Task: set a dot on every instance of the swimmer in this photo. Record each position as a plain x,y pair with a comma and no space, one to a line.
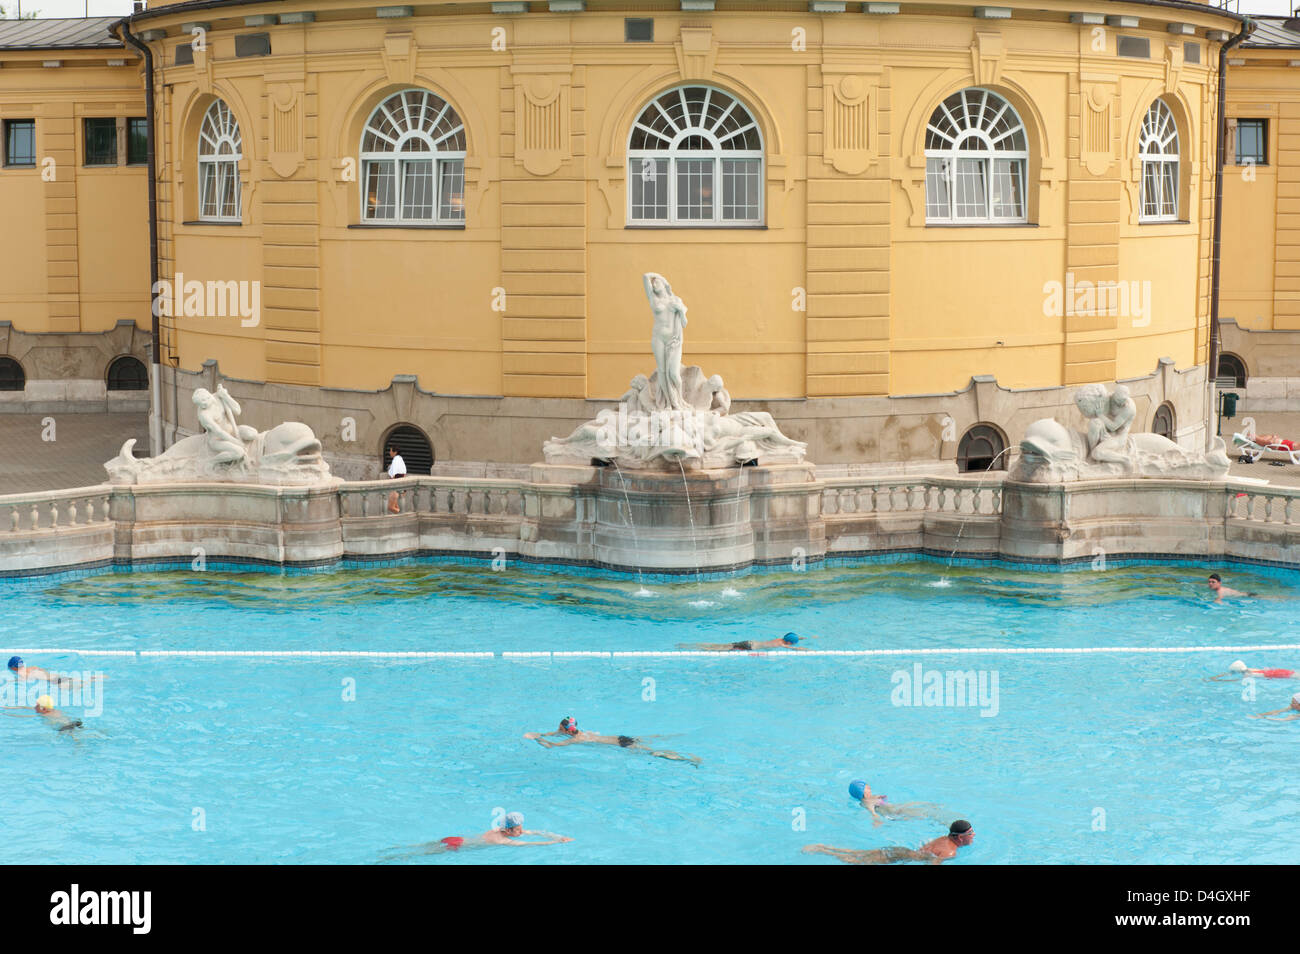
880,810
1215,583
1293,708
45,709
788,641
572,734
1239,670
509,835
960,834
23,673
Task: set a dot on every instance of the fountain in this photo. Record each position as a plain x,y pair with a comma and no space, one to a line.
685,463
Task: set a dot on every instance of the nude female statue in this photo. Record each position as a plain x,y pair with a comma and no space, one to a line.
666,338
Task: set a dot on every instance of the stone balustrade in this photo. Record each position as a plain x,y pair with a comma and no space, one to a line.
640,521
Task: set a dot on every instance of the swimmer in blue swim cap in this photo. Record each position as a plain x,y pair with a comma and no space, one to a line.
572,734
788,641
25,673
861,793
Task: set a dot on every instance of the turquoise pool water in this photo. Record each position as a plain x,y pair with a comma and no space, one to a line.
1119,757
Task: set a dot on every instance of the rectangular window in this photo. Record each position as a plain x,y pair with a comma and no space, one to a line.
1252,142
649,179
101,141
742,190
971,190
1159,191
417,189
694,189
253,44
1191,52
451,190
938,198
1135,46
219,191
381,195
137,141
20,142
1007,197
636,30
184,55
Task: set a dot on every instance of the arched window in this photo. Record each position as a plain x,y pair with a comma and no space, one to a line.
1232,371
12,377
1158,147
980,449
976,156
413,162
1163,422
127,374
684,145
413,445
220,150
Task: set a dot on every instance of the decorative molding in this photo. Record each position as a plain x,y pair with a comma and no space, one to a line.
542,140
849,122
399,53
988,54
697,52
1097,119
284,104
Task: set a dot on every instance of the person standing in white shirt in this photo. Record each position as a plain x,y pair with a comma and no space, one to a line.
396,469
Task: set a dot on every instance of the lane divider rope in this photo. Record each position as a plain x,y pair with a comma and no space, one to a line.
646,653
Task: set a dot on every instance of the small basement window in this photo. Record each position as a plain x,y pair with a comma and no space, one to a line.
1135,46
637,30
253,44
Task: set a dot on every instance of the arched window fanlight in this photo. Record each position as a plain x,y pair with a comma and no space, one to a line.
413,162
127,373
695,157
980,449
1158,147
220,150
414,446
1163,422
976,159
12,376
1232,371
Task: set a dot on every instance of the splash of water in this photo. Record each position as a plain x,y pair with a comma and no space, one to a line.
690,512
975,497
627,514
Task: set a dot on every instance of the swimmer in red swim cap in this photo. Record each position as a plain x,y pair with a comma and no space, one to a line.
573,736
1277,716
1239,670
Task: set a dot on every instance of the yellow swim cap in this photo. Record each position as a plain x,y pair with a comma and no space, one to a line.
45,702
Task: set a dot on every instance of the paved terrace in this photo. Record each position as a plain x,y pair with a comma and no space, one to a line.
84,441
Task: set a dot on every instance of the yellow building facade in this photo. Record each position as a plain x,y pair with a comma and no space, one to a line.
891,222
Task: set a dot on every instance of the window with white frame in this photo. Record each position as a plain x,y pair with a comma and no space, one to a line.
1158,147
413,162
976,160
220,150
695,158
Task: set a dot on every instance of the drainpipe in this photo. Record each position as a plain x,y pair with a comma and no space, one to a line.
155,416
1212,369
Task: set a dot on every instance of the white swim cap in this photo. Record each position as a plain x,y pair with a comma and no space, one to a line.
1238,666
1295,700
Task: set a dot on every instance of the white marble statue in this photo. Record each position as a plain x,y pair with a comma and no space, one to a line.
288,454
1050,453
676,414
666,339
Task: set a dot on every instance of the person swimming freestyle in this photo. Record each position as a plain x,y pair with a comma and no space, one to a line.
788,641
941,849
572,735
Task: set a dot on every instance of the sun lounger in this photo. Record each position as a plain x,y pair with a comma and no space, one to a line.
1249,448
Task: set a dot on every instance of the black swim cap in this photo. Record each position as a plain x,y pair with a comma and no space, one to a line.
959,827
1215,576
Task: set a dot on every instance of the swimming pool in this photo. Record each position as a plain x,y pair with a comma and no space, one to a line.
1109,757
